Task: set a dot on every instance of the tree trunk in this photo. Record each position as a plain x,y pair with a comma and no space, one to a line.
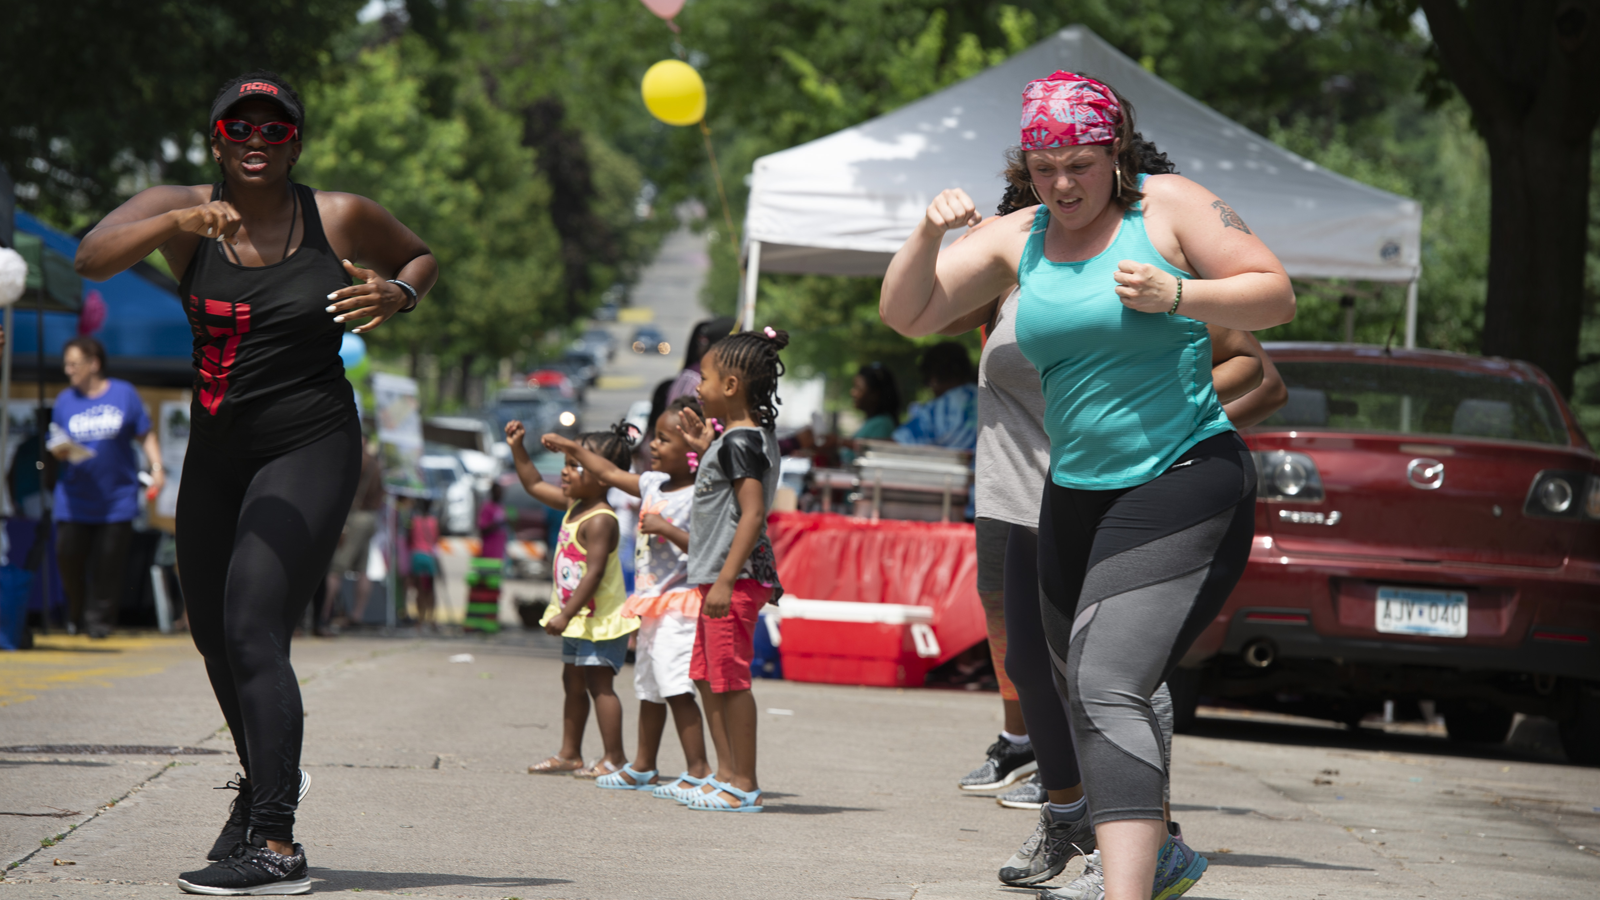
1530,70
1538,232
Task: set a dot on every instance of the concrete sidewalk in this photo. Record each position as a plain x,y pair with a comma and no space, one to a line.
419,788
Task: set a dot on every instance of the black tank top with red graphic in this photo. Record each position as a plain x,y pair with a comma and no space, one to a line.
268,377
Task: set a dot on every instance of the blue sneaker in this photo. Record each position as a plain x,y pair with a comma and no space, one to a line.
1177,869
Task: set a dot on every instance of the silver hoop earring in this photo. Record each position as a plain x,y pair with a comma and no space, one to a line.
1035,188
1118,176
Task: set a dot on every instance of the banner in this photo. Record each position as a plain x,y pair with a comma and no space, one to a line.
399,414
172,428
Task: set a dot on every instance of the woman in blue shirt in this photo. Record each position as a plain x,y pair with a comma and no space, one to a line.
1148,514
97,497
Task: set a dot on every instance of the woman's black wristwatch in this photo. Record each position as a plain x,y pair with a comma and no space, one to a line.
409,290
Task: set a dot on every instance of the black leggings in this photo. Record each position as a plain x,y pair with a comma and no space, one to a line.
1136,575
255,537
1042,695
93,558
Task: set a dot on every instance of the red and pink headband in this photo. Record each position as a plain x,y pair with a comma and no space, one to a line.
1066,110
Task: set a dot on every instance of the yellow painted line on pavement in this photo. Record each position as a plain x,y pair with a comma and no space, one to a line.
636,315
618,382
61,661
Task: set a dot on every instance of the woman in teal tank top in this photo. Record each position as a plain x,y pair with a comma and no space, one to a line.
1148,515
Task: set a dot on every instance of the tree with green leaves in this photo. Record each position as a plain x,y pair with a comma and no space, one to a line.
101,98
1530,71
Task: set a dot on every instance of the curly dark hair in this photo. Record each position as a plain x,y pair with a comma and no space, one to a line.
614,446
688,401
1137,156
753,356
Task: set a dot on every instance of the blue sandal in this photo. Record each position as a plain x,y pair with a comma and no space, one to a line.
620,780
713,801
672,789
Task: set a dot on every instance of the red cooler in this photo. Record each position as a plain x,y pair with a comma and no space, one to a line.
841,642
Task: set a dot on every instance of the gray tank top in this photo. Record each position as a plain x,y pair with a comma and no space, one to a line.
1013,450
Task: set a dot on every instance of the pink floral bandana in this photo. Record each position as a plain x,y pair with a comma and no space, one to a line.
1066,110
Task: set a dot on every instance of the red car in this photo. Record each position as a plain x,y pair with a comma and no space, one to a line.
1427,528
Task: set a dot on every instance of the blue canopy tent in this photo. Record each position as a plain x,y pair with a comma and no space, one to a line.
145,331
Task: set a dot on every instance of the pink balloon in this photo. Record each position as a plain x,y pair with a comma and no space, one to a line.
666,9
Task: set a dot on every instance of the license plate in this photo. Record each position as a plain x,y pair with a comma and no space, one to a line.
1411,611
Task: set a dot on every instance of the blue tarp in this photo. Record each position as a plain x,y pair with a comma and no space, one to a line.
143,320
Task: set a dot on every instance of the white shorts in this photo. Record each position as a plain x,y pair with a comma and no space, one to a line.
661,657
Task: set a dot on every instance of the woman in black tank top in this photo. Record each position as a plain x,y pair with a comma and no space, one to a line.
274,449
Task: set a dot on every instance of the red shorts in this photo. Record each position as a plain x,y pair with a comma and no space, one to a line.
723,647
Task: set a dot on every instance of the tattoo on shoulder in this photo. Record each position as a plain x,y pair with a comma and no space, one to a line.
1230,219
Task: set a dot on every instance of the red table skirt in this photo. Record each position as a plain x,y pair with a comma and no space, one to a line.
932,564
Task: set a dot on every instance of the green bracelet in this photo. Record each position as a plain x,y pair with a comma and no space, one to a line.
1178,299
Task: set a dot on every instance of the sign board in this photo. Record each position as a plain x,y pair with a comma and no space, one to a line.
399,412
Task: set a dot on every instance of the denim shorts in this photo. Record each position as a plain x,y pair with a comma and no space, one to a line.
579,652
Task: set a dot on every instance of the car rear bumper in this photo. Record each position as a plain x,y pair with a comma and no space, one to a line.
1533,621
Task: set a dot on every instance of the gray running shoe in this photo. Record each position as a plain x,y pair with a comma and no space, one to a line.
1089,885
1006,764
1048,850
1028,795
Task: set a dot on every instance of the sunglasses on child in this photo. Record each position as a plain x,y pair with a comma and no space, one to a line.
239,131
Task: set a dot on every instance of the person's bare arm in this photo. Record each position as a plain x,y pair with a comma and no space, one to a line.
363,230
656,523
599,538
1254,407
925,290
171,218
609,474
752,515
1240,282
1235,371
978,318
527,473
152,451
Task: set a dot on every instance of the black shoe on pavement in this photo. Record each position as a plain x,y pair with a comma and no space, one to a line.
239,815
252,871
1028,795
1007,763
1047,851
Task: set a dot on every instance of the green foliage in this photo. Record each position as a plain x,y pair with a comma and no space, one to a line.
460,179
89,90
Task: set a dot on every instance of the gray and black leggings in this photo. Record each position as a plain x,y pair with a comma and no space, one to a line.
1131,577
1027,662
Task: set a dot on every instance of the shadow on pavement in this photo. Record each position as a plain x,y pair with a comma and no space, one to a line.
800,809
1251,861
1528,742
339,880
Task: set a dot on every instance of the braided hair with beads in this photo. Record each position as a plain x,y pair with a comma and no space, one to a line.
753,356
614,446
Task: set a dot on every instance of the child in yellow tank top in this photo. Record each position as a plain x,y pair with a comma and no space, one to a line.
586,600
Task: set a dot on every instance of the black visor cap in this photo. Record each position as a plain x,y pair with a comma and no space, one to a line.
262,88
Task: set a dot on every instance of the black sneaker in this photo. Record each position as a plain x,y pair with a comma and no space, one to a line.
1028,795
1048,850
239,815
1007,763
252,871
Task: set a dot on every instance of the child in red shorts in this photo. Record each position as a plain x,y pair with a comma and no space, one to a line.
730,558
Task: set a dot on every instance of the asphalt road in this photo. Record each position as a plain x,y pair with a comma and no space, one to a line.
419,789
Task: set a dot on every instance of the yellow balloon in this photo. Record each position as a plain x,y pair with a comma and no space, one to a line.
674,93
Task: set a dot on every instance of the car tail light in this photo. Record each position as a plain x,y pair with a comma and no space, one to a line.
1287,477
1563,495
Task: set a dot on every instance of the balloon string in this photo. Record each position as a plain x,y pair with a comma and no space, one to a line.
727,216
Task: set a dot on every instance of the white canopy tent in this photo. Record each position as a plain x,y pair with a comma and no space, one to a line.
843,204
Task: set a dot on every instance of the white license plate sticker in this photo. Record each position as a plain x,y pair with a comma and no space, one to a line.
1412,611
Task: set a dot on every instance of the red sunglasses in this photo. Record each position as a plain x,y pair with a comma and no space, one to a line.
239,131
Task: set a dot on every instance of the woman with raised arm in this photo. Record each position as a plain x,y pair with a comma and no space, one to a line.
1147,517
275,447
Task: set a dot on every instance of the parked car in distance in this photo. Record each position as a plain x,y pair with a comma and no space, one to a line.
650,339
596,341
539,410
455,501
555,380
1427,528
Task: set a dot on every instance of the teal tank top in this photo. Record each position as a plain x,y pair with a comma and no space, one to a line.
1126,393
